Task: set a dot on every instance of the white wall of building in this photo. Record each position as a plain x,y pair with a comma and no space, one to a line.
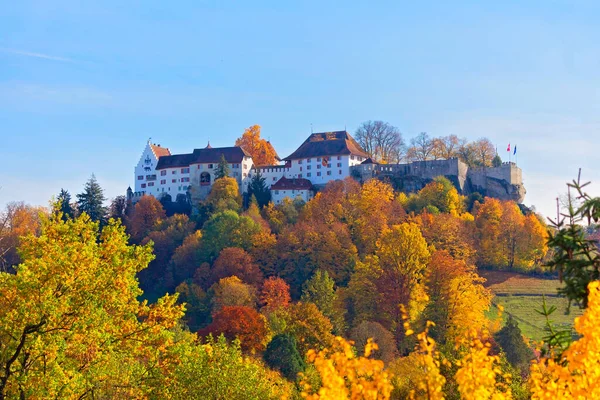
277,196
337,168
145,170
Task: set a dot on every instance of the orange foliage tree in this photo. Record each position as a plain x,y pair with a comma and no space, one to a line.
146,213
261,150
275,294
235,261
241,322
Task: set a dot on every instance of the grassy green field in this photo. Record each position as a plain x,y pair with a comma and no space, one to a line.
521,296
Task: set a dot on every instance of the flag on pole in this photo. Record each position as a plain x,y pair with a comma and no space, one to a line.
515,152
508,148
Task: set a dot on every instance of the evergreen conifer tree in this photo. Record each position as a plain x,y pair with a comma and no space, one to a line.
511,340
258,189
118,207
91,201
283,355
496,161
222,168
63,204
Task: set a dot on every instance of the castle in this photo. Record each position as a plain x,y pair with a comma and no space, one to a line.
321,158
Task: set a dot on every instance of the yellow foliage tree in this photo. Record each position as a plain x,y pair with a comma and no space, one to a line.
577,374
345,376
477,376
261,150
71,325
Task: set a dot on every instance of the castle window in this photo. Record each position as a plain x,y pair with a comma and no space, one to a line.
318,174
308,160
318,159
277,192
173,180
150,177
328,165
300,168
140,177
299,175
318,166
328,172
185,179
340,171
150,184
210,166
274,179
352,157
185,170
163,181
339,164
308,175
174,172
299,162
308,167
163,172
204,179
339,157
143,185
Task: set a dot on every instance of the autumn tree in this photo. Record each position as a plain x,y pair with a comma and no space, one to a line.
488,220
217,369
382,141
91,200
261,150
347,376
16,221
166,235
439,194
386,344
446,147
224,195
306,323
231,291
239,322
147,212
485,152
74,292
510,339
233,261
450,233
185,259
303,248
400,263
275,294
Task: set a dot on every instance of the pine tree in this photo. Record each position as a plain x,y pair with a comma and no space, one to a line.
258,189
118,207
511,340
283,355
222,168
496,161
63,204
91,200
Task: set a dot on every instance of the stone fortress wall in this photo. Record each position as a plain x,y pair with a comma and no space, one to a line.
504,182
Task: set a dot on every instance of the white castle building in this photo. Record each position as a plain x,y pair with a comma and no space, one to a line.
322,157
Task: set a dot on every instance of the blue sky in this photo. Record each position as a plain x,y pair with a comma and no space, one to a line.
84,84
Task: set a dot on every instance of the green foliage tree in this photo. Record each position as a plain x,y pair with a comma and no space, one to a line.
511,341
219,370
222,168
282,355
63,204
258,188
320,290
496,161
227,229
91,200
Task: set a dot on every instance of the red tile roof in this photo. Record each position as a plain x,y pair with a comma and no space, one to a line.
292,184
160,151
328,144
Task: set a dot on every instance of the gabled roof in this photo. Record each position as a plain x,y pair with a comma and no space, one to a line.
208,155
292,184
369,161
328,144
159,151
